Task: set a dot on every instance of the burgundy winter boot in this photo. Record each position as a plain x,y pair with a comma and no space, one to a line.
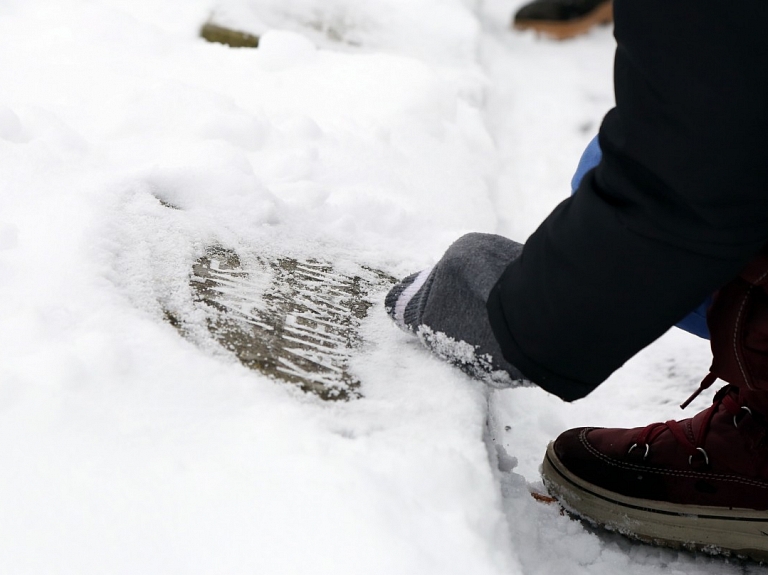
700,483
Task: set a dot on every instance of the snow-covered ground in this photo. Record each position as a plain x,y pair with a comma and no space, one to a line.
364,131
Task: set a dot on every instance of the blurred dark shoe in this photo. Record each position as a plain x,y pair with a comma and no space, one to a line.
561,19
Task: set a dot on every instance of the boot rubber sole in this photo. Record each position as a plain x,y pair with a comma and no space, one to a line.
560,30
714,530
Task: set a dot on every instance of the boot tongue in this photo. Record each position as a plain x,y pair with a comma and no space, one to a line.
738,413
693,433
738,327
726,321
698,426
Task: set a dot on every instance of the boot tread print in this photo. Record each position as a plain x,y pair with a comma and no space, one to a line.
295,320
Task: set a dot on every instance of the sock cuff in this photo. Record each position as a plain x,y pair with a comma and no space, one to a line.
413,310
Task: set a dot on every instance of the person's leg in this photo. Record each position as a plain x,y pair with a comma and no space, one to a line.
685,196
696,321
445,306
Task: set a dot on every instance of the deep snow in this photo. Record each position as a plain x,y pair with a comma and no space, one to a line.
359,131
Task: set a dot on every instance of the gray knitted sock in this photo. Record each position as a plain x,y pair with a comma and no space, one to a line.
446,306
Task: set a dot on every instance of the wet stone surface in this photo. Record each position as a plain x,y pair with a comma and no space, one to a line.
296,321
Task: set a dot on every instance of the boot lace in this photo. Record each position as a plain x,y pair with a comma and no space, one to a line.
693,445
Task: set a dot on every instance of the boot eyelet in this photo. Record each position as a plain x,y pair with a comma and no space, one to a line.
647,450
704,453
745,408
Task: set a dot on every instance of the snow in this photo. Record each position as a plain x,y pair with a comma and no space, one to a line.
359,131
